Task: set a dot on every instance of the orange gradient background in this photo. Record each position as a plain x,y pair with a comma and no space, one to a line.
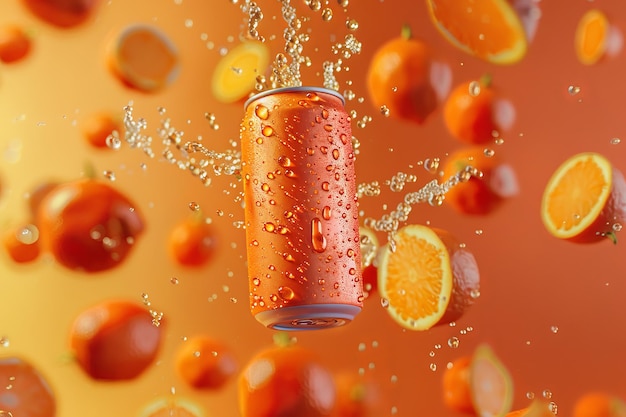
532,283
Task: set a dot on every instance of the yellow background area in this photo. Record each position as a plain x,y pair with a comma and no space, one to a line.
551,310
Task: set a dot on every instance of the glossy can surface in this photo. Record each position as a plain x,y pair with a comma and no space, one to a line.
301,210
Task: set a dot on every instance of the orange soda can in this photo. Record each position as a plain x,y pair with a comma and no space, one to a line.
301,210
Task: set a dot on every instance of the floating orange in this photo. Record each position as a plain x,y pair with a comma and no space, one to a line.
474,113
491,29
15,43
596,37
115,340
427,279
25,391
98,126
205,363
456,390
235,75
400,79
585,199
599,404
286,381
143,57
490,383
172,407
483,192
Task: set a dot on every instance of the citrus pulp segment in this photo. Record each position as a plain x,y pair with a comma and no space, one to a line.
490,29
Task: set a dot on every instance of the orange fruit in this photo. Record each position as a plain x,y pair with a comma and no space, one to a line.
285,381
490,383
25,392
88,225
115,340
15,43
492,183
357,396
456,390
35,196
369,249
22,243
62,13
479,384
193,241
428,279
599,404
462,22
474,114
399,77
595,37
172,407
203,362
143,57
235,75
97,127
538,408
584,200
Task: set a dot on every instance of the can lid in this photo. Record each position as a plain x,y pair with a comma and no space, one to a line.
294,89
308,316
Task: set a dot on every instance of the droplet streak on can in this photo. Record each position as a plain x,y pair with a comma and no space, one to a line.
313,189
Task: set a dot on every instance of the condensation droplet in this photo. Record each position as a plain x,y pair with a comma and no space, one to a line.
384,302
474,88
547,394
433,366
4,342
318,240
174,280
28,234
453,342
554,329
615,141
193,206
573,90
286,293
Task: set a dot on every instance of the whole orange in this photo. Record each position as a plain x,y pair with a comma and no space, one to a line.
285,381
399,78
456,391
88,225
205,363
474,114
115,340
482,193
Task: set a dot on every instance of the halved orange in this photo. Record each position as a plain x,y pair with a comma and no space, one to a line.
143,57
172,407
538,408
595,37
491,385
490,29
235,74
585,199
428,279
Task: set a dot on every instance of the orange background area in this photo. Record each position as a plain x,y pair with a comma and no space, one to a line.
532,283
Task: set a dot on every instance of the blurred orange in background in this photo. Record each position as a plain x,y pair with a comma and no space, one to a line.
550,308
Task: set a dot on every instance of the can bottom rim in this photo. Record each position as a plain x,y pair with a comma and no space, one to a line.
309,317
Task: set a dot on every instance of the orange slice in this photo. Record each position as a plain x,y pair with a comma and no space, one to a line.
144,58
172,407
235,74
491,385
427,279
584,200
538,408
591,36
489,29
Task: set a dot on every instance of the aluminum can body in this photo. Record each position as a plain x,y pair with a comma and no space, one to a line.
301,209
